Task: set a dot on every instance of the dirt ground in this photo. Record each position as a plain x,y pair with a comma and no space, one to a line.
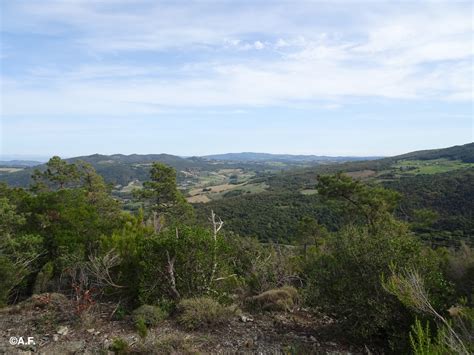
56,330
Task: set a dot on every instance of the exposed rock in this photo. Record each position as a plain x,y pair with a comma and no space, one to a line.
63,330
245,319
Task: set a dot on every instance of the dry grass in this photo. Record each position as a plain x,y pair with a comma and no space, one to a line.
309,192
203,312
151,315
279,299
215,188
198,199
10,170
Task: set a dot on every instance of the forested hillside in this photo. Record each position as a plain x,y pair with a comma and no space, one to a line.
464,153
353,277
438,187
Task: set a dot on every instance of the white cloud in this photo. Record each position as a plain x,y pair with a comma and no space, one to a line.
258,45
422,52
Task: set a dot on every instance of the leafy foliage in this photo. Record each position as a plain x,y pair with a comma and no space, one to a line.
454,336
151,315
449,196
19,251
362,204
162,197
189,251
344,278
270,216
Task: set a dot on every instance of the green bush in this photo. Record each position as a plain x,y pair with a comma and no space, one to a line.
191,252
454,335
19,250
44,278
345,279
120,313
203,312
460,270
421,340
8,279
141,327
260,267
18,260
119,346
149,315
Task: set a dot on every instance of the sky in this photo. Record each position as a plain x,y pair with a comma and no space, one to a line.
80,77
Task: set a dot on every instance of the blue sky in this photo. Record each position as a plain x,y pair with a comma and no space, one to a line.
192,78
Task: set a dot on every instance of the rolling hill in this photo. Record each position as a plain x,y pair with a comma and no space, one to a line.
117,169
19,163
120,169
287,158
440,180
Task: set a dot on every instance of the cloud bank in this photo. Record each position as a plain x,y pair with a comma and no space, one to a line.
129,57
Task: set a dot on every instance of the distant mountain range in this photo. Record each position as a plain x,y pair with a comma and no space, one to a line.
122,169
19,163
259,157
175,160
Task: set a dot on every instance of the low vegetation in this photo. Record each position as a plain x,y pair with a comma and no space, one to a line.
280,299
67,243
203,312
149,315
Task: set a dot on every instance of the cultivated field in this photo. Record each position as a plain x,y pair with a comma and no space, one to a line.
10,170
429,166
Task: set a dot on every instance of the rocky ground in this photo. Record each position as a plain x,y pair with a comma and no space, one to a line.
56,330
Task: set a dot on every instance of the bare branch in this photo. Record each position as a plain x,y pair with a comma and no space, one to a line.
409,288
171,275
216,226
100,268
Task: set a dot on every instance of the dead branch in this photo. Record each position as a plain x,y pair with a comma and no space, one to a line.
100,268
157,222
171,275
410,286
216,227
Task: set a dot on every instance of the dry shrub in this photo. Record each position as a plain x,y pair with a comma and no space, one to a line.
151,315
278,299
203,312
